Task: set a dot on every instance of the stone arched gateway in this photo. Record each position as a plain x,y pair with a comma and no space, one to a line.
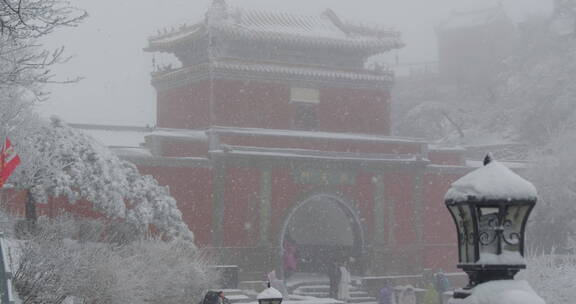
323,228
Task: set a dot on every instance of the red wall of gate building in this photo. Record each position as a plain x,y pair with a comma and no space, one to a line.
401,195
184,107
240,213
253,104
354,110
192,187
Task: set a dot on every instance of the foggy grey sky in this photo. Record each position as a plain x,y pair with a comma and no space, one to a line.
108,46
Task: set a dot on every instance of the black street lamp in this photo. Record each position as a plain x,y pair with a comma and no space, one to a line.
270,295
490,207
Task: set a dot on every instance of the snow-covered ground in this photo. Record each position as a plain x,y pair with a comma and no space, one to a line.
502,292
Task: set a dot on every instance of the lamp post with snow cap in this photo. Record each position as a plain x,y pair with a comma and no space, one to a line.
490,207
270,295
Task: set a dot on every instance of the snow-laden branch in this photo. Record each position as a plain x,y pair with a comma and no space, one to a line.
65,162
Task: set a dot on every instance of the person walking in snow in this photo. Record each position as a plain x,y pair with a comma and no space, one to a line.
408,295
333,272
441,284
215,297
386,295
290,258
431,296
344,285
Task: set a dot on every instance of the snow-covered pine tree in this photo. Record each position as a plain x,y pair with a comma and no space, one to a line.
60,161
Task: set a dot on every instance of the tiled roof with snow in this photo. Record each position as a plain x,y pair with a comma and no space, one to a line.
317,155
284,70
130,140
325,28
316,135
111,137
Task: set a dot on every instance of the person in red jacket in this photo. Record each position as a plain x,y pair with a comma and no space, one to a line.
290,258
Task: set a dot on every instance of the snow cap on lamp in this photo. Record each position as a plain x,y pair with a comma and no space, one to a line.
493,181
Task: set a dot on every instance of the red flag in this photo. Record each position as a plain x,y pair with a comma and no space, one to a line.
9,160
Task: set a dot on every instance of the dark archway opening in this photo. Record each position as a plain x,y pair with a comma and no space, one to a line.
321,230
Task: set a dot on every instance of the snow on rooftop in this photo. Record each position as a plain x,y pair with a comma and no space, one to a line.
134,137
317,135
187,134
335,156
326,27
508,164
301,70
433,147
297,71
132,151
493,181
182,33
281,22
117,138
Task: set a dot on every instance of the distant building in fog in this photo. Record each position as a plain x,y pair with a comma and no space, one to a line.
564,17
472,44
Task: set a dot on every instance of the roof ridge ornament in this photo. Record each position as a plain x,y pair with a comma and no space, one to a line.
488,159
218,12
221,4
335,19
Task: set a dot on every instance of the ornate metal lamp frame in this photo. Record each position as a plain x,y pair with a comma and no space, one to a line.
478,233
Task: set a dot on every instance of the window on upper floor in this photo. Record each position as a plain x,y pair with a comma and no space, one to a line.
306,102
305,95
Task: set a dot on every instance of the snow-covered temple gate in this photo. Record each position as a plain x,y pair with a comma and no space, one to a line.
273,121
270,111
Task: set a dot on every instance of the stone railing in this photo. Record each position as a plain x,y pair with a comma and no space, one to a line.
6,287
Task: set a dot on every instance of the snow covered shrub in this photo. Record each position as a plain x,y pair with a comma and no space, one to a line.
157,272
54,265
64,162
51,267
552,277
553,224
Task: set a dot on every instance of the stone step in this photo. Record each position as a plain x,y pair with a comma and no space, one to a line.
317,294
295,297
313,288
358,293
232,291
354,293
239,298
252,285
324,288
353,299
361,299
